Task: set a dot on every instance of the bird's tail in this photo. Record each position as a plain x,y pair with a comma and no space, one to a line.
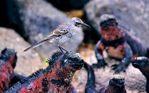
90,85
36,45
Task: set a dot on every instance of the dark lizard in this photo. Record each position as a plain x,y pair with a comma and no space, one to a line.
116,83
56,78
118,43
142,63
8,61
90,85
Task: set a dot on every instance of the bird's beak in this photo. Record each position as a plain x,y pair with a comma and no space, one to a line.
83,24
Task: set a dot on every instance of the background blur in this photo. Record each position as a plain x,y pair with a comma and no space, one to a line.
25,22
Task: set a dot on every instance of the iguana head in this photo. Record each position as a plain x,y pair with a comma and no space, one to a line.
117,81
67,60
9,55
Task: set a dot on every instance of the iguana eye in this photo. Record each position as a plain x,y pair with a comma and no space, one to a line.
65,60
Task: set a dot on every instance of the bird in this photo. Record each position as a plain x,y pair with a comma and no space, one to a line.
62,33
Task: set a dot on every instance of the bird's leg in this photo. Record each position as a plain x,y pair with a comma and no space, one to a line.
62,49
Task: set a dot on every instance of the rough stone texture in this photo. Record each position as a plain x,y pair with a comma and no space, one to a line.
132,14
69,4
28,62
39,19
135,81
9,16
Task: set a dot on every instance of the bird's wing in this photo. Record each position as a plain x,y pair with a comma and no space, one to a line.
62,29
59,31
36,45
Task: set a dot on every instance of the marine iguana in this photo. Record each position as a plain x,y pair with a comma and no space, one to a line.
118,43
142,63
8,61
56,78
116,83
90,85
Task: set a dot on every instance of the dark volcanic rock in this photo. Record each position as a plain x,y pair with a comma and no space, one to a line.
40,18
10,17
68,4
132,14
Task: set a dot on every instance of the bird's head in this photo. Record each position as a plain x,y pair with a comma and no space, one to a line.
9,55
78,22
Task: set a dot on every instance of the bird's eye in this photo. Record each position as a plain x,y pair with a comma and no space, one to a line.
65,31
75,24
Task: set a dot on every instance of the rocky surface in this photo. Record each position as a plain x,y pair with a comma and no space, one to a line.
130,14
28,62
10,17
135,81
40,18
69,4
133,17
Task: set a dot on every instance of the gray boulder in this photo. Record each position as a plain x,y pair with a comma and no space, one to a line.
132,14
39,19
28,62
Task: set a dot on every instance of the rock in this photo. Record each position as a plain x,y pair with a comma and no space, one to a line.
10,17
132,14
40,18
133,78
28,62
135,81
133,17
68,4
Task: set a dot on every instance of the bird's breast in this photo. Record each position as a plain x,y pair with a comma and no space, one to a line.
63,39
69,35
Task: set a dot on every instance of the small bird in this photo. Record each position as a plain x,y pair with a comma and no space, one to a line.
62,33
